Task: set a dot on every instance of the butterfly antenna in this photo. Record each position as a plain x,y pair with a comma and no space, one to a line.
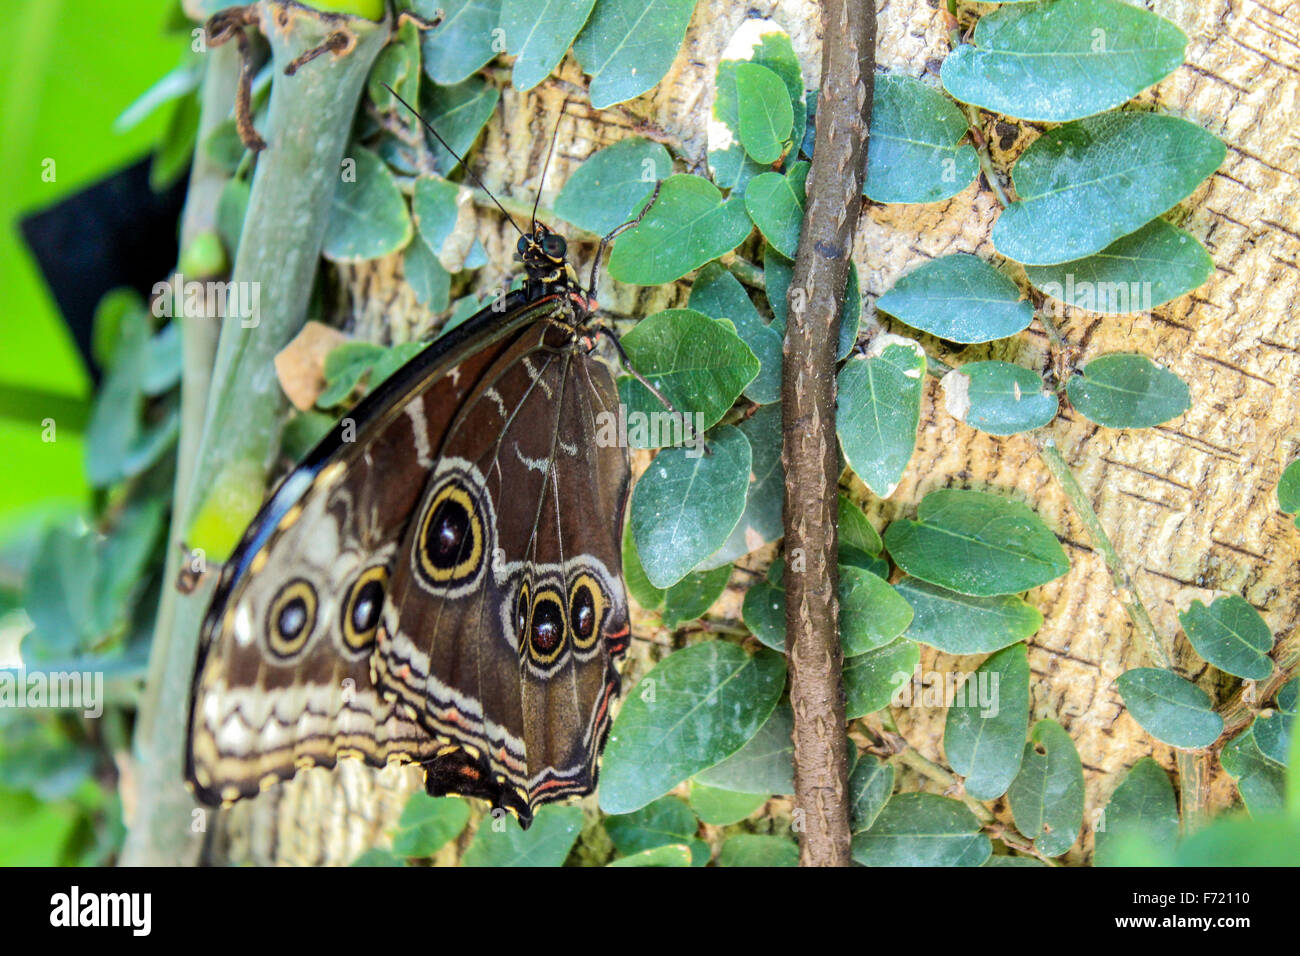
472,175
547,165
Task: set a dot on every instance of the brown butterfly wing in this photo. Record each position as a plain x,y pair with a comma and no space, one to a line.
284,675
507,612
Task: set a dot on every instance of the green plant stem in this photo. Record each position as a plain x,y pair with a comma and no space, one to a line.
308,123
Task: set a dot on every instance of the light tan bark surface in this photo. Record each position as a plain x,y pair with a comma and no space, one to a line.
1190,505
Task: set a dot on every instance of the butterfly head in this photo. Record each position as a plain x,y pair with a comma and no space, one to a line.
543,254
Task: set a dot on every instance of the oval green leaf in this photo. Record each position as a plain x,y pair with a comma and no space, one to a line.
1142,808
976,543
984,737
775,203
667,820
428,823
752,849
719,295
699,365
688,225
998,397
1047,795
1127,391
870,786
1288,490
1169,708
766,117
686,505
462,42
459,114
611,185
697,707
760,522
628,45
872,679
499,841
1053,62
961,624
539,33
765,765
960,298
368,218
915,152
1231,635
1085,184
880,410
921,829
694,594
722,808
1135,273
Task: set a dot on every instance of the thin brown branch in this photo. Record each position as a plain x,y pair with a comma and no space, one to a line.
809,450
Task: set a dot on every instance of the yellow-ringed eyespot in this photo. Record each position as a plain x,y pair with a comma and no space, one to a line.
450,544
547,629
291,617
361,610
587,607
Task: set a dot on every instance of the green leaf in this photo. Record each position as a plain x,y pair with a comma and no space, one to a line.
369,218
1260,780
430,282
921,829
1169,708
539,34
1273,735
915,152
855,529
872,614
761,42
880,410
685,506
778,271
699,365
1127,391
870,786
766,117
722,808
638,585
1235,841
750,849
459,114
760,522
961,624
428,823
345,366
960,298
872,679
1135,273
435,208
462,43
998,397
984,735
500,841
697,707
1141,808
628,45
1052,62
670,854
376,857
398,66
1047,795
719,295
689,224
765,765
665,821
1231,635
1288,490
976,543
611,185
694,594
1085,184
775,203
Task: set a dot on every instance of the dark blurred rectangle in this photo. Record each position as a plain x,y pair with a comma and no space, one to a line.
118,232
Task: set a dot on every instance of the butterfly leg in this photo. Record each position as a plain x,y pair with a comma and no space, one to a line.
614,234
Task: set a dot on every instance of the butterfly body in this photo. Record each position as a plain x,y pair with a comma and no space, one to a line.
445,588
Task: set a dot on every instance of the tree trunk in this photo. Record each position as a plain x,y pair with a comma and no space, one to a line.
1190,505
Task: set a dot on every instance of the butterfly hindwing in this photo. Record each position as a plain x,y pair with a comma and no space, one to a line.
509,590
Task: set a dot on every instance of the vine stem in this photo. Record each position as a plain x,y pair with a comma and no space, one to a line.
809,450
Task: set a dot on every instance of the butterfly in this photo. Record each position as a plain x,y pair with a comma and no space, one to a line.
439,581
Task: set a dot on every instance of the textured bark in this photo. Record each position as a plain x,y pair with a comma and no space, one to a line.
810,450
1190,505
